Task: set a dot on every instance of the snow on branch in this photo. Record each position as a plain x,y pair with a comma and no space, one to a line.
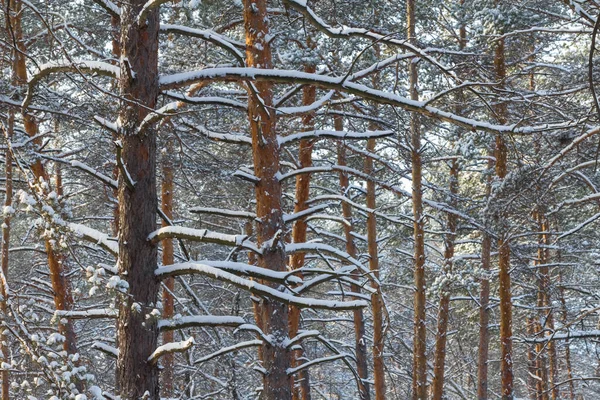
308,108
225,350
221,41
86,168
109,6
292,371
80,66
236,268
223,101
111,126
107,349
157,115
363,91
87,314
343,135
223,213
287,218
200,320
223,137
264,290
327,249
201,235
565,336
92,235
169,348
147,8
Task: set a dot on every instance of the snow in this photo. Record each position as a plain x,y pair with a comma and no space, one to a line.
94,236
201,235
200,320
174,347
342,135
260,289
222,212
87,314
229,349
236,268
109,181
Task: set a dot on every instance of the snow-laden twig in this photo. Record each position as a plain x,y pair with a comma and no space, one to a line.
92,235
200,320
82,66
225,350
107,349
236,268
201,235
264,290
87,314
342,135
221,41
169,348
291,371
109,6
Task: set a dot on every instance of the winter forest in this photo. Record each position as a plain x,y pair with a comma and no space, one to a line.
300,199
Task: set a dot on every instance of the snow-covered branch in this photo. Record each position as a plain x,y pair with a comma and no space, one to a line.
147,8
223,213
169,348
80,66
236,268
87,314
201,235
264,290
230,349
200,320
107,349
94,236
342,135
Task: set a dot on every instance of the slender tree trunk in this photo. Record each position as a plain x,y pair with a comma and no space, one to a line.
501,152
564,319
532,381
137,336
444,307
8,171
419,382
484,317
270,232
360,345
61,286
301,385
167,373
376,299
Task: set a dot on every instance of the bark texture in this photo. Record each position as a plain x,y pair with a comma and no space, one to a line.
419,381
270,230
137,336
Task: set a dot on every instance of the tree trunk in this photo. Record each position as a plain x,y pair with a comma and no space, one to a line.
444,307
419,381
360,346
301,385
376,299
501,152
137,336
270,231
61,286
167,374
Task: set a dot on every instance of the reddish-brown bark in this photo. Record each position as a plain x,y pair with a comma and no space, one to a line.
301,384
61,286
167,375
419,381
270,230
501,153
360,346
137,336
376,299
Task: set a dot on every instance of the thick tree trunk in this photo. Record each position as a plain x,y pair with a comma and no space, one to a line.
301,384
167,374
137,336
419,382
501,152
270,232
360,346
